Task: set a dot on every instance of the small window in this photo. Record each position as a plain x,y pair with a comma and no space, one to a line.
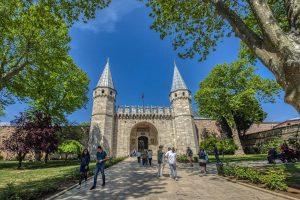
111,92
183,93
102,91
175,94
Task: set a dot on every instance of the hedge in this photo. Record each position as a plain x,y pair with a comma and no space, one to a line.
274,178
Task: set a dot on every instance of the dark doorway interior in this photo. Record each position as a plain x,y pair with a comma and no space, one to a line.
142,143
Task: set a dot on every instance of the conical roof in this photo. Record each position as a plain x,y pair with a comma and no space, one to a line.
178,83
106,79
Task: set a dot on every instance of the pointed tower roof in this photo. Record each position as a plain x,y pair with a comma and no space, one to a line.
106,79
178,83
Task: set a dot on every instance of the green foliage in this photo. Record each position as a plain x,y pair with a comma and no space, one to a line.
184,159
294,141
273,178
71,147
34,53
273,143
225,146
234,88
196,27
233,92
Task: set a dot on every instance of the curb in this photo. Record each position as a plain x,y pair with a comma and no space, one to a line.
258,188
65,190
71,187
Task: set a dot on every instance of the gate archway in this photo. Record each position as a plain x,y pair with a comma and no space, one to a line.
144,136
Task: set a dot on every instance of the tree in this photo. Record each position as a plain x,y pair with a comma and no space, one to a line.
234,90
42,132
242,122
269,30
34,35
70,147
57,92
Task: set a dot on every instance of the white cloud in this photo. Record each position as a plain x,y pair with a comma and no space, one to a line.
107,18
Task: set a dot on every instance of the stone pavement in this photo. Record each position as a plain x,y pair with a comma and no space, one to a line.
128,180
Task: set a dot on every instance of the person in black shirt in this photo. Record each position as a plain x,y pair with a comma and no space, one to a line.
84,166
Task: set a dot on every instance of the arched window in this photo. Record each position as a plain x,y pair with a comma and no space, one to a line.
175,94
102,91
183,93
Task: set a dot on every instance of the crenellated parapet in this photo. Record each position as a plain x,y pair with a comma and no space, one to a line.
133,112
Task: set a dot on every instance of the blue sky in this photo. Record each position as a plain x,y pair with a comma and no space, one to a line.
141,62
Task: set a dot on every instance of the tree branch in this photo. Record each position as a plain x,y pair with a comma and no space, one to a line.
14,71
265,53
269,25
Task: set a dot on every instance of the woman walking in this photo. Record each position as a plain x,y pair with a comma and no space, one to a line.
202,160
84,166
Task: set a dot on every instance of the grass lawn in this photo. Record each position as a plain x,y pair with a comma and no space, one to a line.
234,158
38,179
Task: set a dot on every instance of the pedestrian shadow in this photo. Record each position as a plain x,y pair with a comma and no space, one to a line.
126,179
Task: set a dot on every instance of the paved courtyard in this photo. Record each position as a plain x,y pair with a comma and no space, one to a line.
127,180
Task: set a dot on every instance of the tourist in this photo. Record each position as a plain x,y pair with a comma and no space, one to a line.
160,161
172,163
189,154
133,153
202,160
166,159
150,157
216,152
144,158
84,166
138,155
101,157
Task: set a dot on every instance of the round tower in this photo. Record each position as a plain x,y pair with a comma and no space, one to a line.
103,113
183,120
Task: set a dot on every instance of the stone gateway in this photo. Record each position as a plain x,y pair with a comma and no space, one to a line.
124,128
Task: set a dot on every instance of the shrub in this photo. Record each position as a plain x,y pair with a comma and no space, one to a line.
273,178
225,146
182,159
70,147
273,143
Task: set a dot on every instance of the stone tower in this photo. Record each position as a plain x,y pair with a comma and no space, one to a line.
183,122
103,113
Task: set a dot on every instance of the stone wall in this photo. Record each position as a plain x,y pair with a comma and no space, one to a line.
250,141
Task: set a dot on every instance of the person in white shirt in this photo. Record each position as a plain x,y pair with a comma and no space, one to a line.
165,161
171,155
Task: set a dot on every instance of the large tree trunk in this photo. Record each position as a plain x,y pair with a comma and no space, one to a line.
277,50
237,141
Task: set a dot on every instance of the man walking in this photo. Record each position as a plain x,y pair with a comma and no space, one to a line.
101,157
160,160
189,154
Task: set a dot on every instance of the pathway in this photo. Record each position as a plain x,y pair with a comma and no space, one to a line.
127,180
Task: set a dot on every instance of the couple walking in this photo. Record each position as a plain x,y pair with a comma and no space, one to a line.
170,156
101,157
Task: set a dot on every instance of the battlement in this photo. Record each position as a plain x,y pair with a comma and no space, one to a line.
137,111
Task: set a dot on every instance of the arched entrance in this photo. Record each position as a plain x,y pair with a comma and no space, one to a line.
143,136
